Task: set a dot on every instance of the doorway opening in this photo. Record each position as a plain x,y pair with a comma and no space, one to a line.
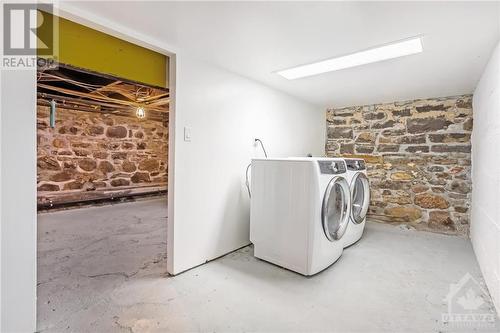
102,146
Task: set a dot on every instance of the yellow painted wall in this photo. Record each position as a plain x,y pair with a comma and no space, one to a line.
83,47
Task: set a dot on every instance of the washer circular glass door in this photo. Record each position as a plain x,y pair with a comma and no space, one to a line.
360,191
335,210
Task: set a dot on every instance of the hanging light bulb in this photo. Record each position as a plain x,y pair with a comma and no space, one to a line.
140,112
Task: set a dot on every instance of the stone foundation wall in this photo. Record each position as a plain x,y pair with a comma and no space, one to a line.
418,157
88,154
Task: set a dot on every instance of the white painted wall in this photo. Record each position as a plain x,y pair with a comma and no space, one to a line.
226,112
208,204
18,201
485,221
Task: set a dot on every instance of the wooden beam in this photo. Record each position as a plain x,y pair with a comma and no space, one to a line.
154,116
95,97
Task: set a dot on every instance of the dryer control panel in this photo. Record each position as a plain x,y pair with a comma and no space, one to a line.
332,167
355,164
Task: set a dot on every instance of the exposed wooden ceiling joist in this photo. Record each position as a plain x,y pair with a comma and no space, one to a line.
88,91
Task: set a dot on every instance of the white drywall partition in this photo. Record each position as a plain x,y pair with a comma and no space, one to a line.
209,208
18,201
224,112
485,220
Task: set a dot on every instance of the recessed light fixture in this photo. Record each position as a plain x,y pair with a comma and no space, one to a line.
390,51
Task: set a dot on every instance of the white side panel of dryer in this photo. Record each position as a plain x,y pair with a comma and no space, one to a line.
280,211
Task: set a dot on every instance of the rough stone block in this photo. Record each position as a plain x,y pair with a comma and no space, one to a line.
449,137
121,155
393,132
87,164
128,166
48,163
451,148
412,139
141,177
467,126
119,182
441,219
460,187
417,149
61,176
428,108
340,132
366,137
100,154
106,167
116,132
435,168
347,148
74,185
385,124
48,187
364,149
59,143
388,148
407,214
402,113
400,175
428,200
149,165
423,125
420,188
81,152
374,115
95,130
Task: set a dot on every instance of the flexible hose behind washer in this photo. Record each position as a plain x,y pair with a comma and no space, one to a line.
247,183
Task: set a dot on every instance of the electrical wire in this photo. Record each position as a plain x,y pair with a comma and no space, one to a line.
247,183
262,145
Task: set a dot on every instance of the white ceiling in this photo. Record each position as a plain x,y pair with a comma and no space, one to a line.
255,39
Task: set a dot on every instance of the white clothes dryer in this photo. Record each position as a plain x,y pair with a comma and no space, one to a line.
300,210
360,199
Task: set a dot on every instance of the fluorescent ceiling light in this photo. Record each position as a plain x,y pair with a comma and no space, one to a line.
390,51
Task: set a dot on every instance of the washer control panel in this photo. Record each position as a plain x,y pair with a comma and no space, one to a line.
332,167
355,164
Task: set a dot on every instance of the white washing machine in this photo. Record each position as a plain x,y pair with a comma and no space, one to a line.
299,212
360,199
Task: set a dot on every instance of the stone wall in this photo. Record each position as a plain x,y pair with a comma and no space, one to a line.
90,155
418,157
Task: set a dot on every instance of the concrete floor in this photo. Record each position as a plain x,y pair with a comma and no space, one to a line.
103,269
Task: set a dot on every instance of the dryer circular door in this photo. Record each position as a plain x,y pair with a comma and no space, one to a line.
335,209
360,191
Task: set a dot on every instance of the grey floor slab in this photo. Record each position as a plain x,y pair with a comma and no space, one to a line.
102,269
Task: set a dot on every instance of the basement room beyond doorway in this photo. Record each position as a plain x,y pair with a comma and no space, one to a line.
102,171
